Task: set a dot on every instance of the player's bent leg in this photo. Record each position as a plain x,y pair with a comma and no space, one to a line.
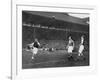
80,52
33,56
34,51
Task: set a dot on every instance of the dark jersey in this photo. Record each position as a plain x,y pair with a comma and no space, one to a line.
71,44
36,45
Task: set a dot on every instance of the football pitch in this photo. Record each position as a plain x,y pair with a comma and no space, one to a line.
57,58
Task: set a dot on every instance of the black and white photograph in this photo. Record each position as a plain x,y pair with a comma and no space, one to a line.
55,39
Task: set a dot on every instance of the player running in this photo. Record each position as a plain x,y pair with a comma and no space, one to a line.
35,47
81,47
70,45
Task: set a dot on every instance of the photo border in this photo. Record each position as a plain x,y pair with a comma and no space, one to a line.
14,72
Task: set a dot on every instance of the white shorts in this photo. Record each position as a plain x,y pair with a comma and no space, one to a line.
81,48
70,49
34,50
